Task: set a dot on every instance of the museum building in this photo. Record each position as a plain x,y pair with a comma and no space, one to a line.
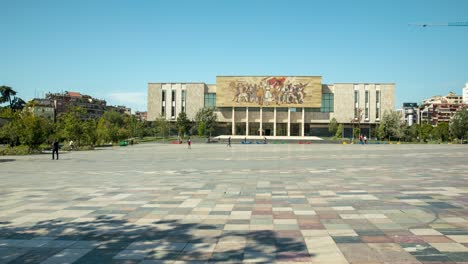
275,105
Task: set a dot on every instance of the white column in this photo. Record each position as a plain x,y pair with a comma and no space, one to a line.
274,122
303,121
289,121
233,128
261,121
246,121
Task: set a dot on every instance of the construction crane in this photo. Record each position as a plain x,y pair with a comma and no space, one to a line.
450,24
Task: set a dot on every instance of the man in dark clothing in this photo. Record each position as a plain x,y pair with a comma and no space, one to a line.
55,148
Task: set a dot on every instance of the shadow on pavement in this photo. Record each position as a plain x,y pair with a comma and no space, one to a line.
111,240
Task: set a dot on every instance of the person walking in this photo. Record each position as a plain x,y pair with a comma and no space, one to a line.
365,139
189,143
229,142
55,149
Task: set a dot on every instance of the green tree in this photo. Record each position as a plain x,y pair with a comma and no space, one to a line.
34,130
339,131
201,128
183,124
208,117
459,125
442,132
162,127
426,132
391,125
10,132
17,104
134,126
111,127
333,126
70,124
89,133
414,132
6,93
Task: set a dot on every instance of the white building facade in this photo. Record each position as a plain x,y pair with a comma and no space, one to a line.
351,104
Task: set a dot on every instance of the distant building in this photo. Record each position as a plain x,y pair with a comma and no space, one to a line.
275,105
42,107
120,109
410,113
142,116
63,101
440,108
465,94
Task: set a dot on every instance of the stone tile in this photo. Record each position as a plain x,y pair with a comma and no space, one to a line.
449,247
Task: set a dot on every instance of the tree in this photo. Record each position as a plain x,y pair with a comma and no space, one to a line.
357,120
442,131
459,125
333,126
17,104
426,132
339,131
70,124
34,130
6,94
201,128
208,118
391,125
183,124
134,126
414,132
10,132
89,133
162,126
111,127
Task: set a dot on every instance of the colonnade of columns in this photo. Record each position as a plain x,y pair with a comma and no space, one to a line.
233,127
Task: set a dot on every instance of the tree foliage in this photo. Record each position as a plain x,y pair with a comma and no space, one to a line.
391,125
70,125
208,118
459,125
333,126
162,127
442,132
34,130
111,127
183,124
339,131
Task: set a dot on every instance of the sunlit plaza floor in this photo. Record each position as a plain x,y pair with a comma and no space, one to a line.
317,203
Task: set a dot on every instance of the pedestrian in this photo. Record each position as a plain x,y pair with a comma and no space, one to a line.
365,140
360,138
189,143
264,140
55,148
229,142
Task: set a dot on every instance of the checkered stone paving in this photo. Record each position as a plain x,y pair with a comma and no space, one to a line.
156,203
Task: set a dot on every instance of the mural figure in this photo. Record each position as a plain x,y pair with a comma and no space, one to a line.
268,91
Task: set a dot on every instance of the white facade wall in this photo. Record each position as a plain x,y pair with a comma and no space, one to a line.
465,94
343,104
194,99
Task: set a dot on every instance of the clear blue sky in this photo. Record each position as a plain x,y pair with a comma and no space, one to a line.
112,49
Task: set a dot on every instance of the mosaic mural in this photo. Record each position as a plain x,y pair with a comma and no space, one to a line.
268,91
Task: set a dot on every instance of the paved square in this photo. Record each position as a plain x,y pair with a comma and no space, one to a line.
155,203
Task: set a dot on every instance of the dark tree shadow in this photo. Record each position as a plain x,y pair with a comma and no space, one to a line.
111,240
6,160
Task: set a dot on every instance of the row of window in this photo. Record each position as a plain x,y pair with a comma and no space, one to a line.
173,102
358,110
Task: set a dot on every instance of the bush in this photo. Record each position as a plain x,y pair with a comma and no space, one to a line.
18,150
